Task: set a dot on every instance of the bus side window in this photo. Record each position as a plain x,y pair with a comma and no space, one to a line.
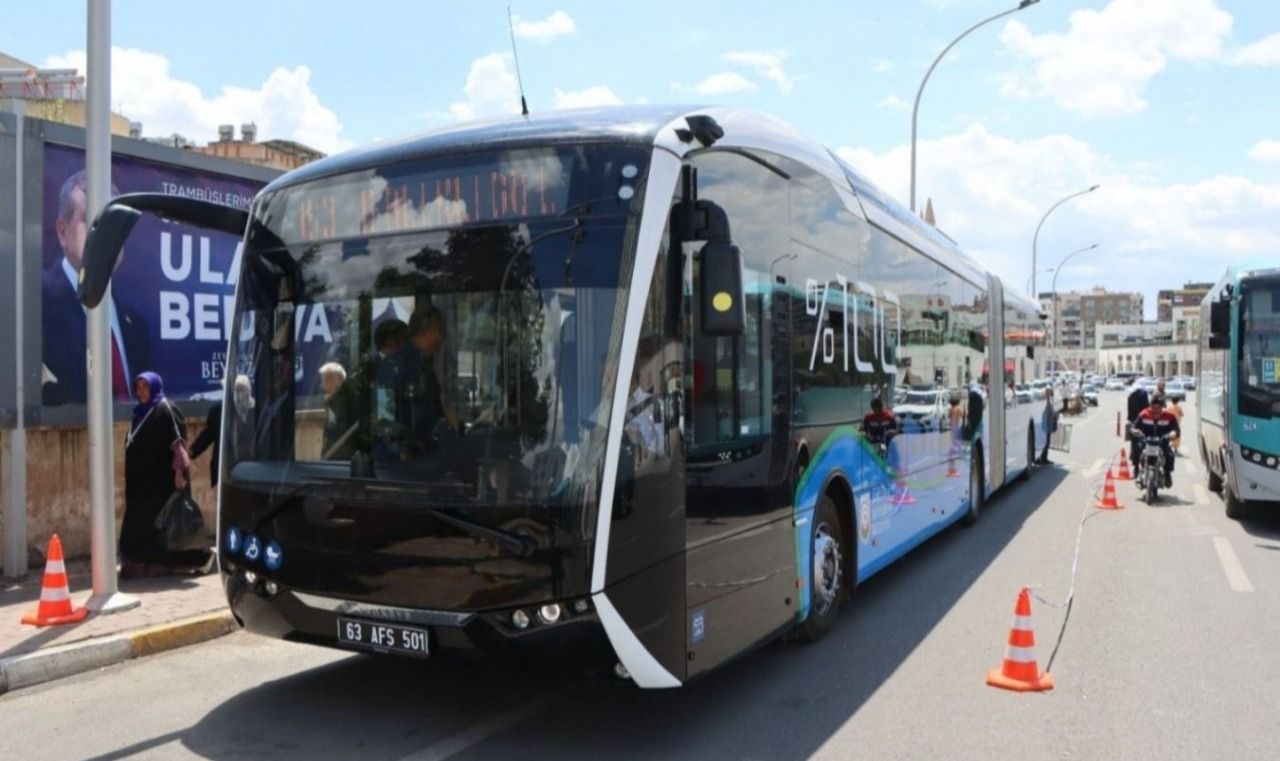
732,376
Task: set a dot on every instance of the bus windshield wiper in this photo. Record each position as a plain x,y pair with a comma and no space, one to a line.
520,545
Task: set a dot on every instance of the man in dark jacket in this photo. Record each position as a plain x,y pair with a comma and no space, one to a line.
1138,401
208,439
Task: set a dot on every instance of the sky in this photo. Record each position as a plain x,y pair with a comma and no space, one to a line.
1170,106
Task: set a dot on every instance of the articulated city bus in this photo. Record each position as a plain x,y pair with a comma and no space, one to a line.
1238,392
605,374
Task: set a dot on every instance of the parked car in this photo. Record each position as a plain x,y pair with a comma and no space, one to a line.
1175,391
1188,382
923,410
1115,384
1090,394
1024,393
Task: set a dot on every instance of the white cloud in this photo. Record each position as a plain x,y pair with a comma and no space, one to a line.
592,96
1101,66
881,65
894,102
558,24
724,83
1264,52
989,192
491,89
767,64
1266,150
284,106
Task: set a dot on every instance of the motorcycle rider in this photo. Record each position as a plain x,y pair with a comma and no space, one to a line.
1157,422
879,425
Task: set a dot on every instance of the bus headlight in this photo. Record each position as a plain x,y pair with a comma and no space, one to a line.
549,614
520,620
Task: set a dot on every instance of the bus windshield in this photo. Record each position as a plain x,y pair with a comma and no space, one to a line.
1259,348
452,327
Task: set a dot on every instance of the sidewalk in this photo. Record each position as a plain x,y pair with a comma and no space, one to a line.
175,611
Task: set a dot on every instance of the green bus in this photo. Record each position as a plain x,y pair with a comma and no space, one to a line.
1238,393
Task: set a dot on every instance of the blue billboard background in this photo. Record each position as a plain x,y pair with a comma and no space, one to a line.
172,292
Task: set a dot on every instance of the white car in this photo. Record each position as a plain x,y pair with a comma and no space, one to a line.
1115,384
923,411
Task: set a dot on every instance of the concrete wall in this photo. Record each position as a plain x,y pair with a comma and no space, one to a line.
58,486
58,481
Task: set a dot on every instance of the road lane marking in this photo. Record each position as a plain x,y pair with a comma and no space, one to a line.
1095,468
1202,495
1191,466
1236,576
468,738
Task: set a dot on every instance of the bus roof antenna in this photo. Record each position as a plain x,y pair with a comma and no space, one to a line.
511,27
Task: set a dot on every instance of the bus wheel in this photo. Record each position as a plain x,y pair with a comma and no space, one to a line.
1237,509
826,571
1215,480
975,488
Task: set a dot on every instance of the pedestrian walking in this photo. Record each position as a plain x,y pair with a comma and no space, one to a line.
156,465
1175,408
1048,424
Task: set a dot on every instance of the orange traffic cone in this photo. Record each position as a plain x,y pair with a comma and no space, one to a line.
1124,474
1020,671
1109,500
55,596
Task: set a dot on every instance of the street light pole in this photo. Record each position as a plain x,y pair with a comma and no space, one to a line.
916,108
106,597
1030,292
1036,238
1057,339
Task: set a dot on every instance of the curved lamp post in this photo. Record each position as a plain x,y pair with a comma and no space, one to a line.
1036,238
1057,339
919,92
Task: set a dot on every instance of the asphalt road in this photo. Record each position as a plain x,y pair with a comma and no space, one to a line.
1167,655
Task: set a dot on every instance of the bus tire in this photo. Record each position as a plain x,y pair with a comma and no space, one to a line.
976,483
1237,509
827,575
1215,480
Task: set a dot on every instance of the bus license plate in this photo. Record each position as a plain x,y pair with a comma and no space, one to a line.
384,638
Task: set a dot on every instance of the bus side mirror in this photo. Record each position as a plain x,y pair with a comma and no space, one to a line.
720,275
1220,325
102,250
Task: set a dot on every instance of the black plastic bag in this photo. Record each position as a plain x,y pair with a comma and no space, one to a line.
180,526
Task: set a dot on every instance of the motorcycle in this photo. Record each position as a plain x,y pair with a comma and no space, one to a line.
1151,467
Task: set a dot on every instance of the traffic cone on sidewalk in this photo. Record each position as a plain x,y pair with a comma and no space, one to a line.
55,595
1020,672
1124,474
1109,500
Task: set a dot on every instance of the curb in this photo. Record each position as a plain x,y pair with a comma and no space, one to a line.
68,660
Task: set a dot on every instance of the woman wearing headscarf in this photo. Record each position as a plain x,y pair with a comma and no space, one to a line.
155,465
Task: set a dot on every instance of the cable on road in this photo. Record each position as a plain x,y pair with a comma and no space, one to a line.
1096,486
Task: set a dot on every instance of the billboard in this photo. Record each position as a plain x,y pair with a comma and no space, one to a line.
172,292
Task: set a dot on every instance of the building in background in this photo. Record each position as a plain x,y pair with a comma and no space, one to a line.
1074,318
275,154
55,95
1181,307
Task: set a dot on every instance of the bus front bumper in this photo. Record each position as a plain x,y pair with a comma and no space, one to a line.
577,639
